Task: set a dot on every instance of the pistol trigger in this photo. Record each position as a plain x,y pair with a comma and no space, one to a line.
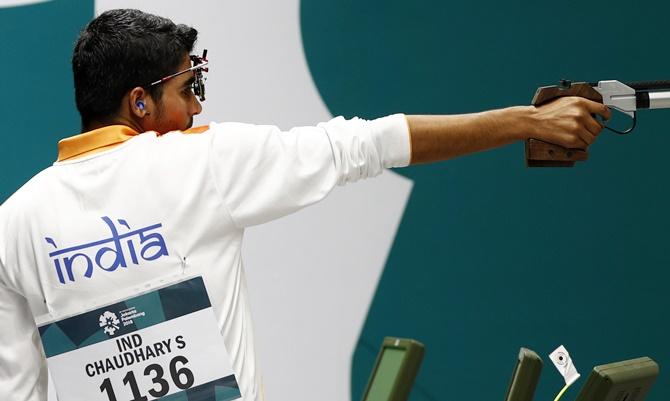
600,119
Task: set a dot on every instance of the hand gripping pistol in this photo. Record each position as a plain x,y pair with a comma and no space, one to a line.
625,98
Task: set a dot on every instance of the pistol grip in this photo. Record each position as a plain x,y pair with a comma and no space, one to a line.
543,154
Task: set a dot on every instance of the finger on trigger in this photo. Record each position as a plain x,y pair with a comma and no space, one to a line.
599,108
608,111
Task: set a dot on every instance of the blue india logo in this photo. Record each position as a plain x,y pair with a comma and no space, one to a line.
108,254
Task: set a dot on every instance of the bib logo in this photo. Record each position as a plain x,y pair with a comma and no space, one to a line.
124,248
109,322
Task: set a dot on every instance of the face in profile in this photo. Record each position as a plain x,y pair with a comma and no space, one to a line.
178,104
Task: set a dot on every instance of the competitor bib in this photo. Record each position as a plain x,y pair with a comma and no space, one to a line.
164,344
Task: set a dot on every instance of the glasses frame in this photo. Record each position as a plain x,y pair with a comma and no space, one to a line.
199,65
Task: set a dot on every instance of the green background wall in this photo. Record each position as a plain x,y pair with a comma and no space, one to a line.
37,102
491,256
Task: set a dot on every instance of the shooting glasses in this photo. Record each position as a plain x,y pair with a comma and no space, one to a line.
199,65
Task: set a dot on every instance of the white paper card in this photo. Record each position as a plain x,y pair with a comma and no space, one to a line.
561,359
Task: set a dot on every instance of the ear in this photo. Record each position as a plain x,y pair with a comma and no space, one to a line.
139,102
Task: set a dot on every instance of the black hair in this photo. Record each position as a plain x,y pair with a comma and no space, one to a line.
123,49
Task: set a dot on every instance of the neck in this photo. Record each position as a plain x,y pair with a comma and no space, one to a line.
93,125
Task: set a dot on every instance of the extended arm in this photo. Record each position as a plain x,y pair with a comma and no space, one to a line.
566,121
277,173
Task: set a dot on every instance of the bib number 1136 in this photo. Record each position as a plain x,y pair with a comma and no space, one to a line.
181,375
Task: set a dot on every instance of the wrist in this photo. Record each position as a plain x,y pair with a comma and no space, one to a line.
524,122
516,123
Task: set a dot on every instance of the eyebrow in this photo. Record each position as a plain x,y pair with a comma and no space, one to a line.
188,82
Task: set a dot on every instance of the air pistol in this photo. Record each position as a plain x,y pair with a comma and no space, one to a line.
626,98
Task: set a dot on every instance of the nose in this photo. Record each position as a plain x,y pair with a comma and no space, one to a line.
196,107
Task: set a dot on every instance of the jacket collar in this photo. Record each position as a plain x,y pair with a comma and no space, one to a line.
102,139
95,141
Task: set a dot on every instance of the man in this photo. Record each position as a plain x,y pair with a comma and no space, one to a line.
139,167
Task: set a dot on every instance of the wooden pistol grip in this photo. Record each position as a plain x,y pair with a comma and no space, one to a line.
543,154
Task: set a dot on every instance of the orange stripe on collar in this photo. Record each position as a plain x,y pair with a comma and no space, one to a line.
95,141
197,130
102,139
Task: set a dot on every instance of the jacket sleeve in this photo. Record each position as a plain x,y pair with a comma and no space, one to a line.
263,173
